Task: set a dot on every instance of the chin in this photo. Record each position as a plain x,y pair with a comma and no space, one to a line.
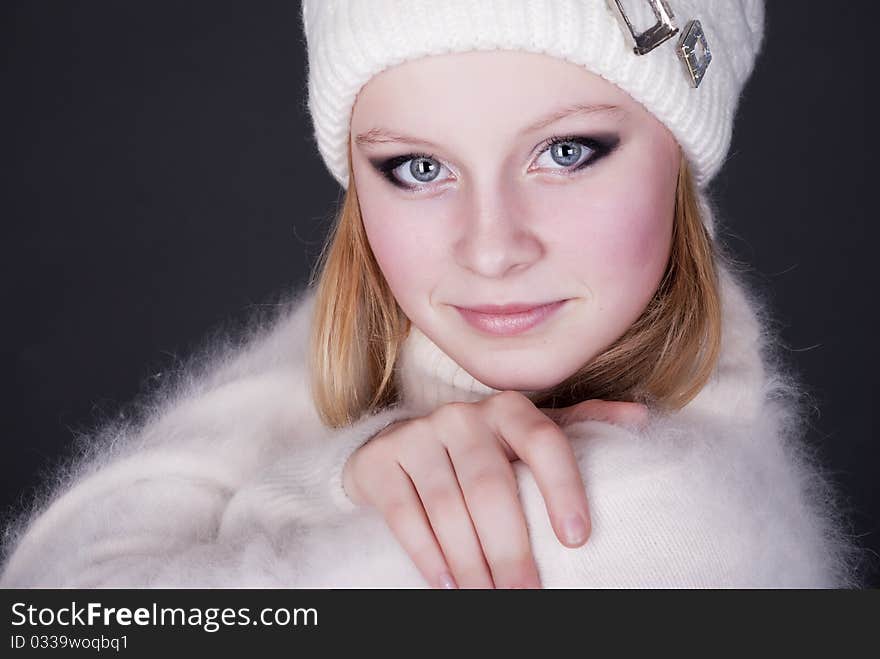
506,380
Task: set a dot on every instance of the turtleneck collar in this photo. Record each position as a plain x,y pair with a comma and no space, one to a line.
427,377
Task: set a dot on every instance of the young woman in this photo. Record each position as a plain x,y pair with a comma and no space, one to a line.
524,359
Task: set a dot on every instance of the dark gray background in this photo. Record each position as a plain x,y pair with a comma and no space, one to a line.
161,180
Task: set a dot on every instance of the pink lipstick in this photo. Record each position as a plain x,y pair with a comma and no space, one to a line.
510,319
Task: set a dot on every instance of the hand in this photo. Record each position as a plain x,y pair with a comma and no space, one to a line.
445,486
632,415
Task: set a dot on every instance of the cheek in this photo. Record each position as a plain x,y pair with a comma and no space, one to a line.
401,243
617,230
634,231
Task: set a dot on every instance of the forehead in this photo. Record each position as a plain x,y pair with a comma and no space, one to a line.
507,88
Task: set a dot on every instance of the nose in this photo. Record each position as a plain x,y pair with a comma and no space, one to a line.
496,238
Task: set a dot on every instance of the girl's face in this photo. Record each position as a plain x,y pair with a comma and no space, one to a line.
467,203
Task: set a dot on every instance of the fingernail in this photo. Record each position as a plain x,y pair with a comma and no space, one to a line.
574,529
446,581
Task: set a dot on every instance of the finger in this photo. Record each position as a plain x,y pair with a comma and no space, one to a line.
541,444
559,415
402,509
618,412
490,492
431,471
622,413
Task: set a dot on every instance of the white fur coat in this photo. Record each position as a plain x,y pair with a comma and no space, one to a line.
226,477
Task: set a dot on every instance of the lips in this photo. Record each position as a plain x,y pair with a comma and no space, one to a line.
499,309
509,319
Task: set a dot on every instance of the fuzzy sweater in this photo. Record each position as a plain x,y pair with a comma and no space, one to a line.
226,477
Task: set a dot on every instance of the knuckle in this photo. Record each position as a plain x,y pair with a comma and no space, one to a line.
387,431
451,412
508,398
454,423
419,433
416,427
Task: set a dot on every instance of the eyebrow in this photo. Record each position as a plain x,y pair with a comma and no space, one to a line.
385,136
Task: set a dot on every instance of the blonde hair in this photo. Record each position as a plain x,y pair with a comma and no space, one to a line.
663,359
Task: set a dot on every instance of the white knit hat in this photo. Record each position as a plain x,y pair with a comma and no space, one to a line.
350,41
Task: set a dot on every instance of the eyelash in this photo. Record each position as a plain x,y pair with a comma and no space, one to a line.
600,147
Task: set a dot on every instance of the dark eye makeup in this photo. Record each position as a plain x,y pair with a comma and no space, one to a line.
600,146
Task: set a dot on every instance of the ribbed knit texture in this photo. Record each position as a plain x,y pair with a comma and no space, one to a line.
350,41
428,377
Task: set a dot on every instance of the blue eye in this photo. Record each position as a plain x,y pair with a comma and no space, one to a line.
421,167
575,152
572,152
568,152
